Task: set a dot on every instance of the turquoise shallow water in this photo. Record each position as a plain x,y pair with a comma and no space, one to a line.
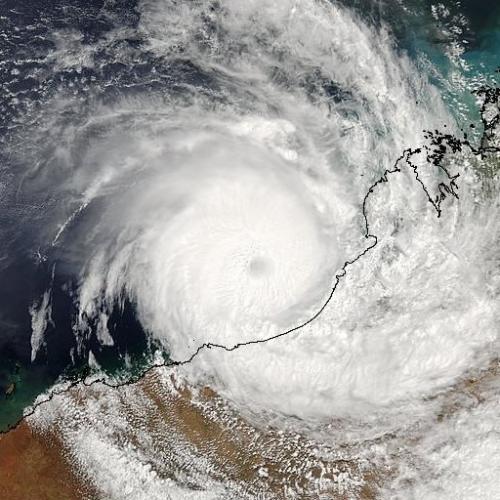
28,383
33,380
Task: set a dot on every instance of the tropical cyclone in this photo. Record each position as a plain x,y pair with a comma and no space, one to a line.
259,205
431,155
222,207
358,473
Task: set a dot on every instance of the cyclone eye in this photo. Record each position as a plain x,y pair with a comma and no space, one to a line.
260,267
